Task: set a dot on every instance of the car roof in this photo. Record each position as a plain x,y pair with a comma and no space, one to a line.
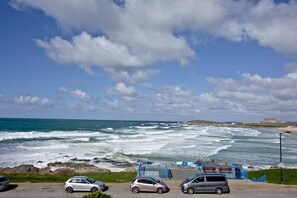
145,177
210,174
79,177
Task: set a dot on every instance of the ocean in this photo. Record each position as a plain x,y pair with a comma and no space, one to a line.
41,141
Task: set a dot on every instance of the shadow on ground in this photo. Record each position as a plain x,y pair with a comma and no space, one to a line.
10,187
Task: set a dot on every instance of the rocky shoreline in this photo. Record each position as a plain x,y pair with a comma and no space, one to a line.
75,166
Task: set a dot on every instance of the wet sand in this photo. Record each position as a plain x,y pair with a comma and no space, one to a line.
292,130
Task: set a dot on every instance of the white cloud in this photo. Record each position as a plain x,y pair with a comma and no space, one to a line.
173,99
122,89
133,76
87,51
33,100
76,93
144,32
112,104
127,93
80,94
257,94
273,25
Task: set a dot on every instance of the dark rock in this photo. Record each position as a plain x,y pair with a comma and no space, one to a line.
80,160
24,168
77,167
45,170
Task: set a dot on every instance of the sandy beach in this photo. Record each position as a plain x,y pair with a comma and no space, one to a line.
292,130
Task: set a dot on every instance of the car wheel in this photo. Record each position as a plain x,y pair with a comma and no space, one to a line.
190,191
219,191
69,189
135,190
94,189
160,190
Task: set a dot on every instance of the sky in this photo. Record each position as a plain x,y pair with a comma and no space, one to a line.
169,60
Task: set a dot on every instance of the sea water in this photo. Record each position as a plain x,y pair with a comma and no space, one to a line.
41,141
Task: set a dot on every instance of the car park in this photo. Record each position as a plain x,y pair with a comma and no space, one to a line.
207,183
148,184
4,183
83,183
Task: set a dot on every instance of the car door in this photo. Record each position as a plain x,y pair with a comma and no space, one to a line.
152,187
145,185
75,184
211,183
85,185
199,184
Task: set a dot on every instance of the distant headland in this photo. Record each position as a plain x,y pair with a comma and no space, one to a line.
266,123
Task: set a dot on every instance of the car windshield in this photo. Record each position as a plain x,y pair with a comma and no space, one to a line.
91,180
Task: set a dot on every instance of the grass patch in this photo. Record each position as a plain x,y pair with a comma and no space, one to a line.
273,175
114,177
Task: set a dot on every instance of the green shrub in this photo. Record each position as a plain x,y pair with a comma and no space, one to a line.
273,175
113,177
98,194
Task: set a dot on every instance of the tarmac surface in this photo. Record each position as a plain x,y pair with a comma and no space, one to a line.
242,189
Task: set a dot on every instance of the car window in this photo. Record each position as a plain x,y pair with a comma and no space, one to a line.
215,178
151,182
74,181
141,181
83,181
199,179
146,181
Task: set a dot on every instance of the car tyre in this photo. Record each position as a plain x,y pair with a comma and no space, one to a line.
160,190
219,191
69,189
135,190
190,191
94,189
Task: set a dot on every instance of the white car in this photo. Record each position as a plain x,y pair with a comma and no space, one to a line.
4,182
83,183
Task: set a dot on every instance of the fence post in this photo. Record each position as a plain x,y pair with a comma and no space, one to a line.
139,169
167,171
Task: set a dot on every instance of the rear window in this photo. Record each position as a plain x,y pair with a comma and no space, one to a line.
2,179
215,178
74,181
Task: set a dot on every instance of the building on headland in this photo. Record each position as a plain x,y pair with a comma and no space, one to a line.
270,120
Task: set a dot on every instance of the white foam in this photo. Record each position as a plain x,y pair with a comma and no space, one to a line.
193,142
108,129
43,135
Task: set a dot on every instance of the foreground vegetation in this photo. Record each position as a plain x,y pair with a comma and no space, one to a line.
113,177
273,175
98,194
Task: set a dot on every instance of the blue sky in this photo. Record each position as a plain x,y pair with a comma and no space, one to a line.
149,60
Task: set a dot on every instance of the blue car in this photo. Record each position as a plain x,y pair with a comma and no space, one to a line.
4,182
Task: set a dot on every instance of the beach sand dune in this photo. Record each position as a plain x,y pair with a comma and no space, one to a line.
292,130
